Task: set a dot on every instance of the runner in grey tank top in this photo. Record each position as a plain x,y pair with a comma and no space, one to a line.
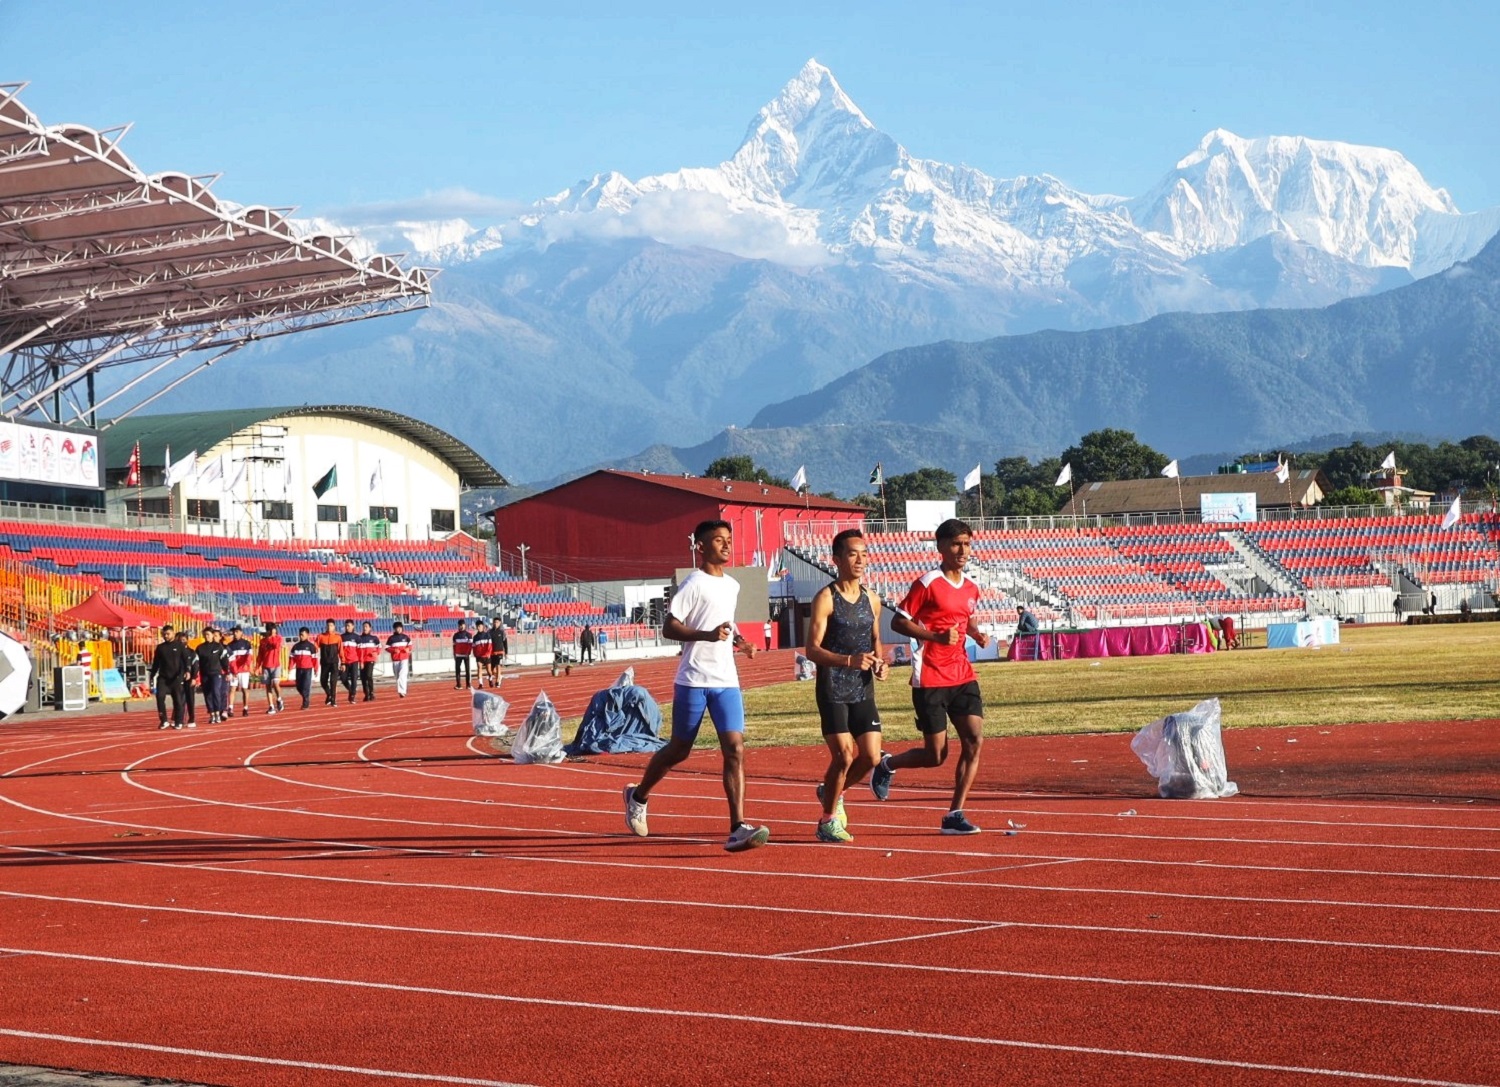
850,633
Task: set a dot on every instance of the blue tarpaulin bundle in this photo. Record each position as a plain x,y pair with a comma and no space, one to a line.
620,719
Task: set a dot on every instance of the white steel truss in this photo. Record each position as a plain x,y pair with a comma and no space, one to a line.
103,266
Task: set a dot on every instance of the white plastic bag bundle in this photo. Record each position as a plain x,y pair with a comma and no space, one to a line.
802,668
489,711
1185,753
539,738
627,678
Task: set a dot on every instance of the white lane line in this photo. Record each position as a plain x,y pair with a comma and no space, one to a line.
741,1019
876,943
348,792
248,1058
795,911
927,877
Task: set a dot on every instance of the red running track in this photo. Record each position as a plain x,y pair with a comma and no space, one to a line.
365,895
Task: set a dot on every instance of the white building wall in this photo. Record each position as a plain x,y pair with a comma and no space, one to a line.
282,459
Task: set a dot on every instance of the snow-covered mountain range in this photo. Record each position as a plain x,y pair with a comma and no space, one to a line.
622,313
815,181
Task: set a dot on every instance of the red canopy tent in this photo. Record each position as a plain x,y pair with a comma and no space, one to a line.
98,610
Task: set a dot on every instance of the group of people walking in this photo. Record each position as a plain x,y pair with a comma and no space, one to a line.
225,663
937,614
485,646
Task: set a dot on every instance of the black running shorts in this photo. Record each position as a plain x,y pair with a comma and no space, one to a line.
855,718
936,706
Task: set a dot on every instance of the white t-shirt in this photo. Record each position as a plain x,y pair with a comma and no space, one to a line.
703,602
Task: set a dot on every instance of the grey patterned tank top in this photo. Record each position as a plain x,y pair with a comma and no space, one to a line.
851,629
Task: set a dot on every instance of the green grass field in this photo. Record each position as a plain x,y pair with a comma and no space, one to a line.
1427,673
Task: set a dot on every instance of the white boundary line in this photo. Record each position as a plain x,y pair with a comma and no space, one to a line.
279,1062
853,915
741,1019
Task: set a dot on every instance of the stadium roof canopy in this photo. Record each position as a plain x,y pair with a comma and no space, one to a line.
103,266
202,430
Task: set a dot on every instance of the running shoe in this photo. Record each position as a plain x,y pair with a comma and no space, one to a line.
635,813
955,823
880,779
838,807
164,724
831,830
746,837
192,724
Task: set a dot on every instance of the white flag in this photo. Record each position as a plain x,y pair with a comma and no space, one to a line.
286,477
800,479
1390,461
1455,511
1065,476
1170,471
1283,472
212,472
181,470
375,478
236,474
972,479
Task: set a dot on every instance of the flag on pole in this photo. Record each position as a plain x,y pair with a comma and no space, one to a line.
1065,476
1390,461
180,470
286,476
1170,471
800,479
375,478
972,479
329,481
212,472
1283,472
236,474
133,470
1455,511
877,477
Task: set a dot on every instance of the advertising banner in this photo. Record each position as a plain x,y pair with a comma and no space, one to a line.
1228,508
35,454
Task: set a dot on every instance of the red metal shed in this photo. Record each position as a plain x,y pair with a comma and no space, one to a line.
611,525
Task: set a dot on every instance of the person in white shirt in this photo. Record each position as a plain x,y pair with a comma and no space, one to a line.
701,616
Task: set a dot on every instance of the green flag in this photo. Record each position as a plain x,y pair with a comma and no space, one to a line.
327,483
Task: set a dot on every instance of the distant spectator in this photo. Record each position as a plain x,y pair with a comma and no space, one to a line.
1465,612
1025,621
586,644
463,647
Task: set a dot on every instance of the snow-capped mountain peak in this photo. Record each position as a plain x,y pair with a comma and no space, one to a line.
1362,204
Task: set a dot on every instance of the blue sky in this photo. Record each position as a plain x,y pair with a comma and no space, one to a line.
446,105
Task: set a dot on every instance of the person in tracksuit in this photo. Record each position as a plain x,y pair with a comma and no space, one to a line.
398,645
463,646
369,654
349,655
169,671
304,658
330,661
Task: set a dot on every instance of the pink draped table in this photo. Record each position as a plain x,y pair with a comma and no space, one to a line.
1143,641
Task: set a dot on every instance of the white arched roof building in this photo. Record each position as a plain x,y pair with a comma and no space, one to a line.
312,473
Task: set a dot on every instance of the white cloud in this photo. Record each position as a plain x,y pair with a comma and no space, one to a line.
453,203
693,218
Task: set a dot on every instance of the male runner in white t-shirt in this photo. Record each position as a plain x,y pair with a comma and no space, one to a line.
701,616
937,614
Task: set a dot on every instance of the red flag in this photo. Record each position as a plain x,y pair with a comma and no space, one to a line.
133,473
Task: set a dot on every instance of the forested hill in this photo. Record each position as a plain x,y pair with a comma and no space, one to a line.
1419,358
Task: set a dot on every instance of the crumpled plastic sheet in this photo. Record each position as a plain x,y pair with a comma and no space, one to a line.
489,711
802,668
539,738
1185,753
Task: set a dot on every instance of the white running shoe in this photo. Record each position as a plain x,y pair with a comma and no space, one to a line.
635,813
192,724
164,724
746,837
